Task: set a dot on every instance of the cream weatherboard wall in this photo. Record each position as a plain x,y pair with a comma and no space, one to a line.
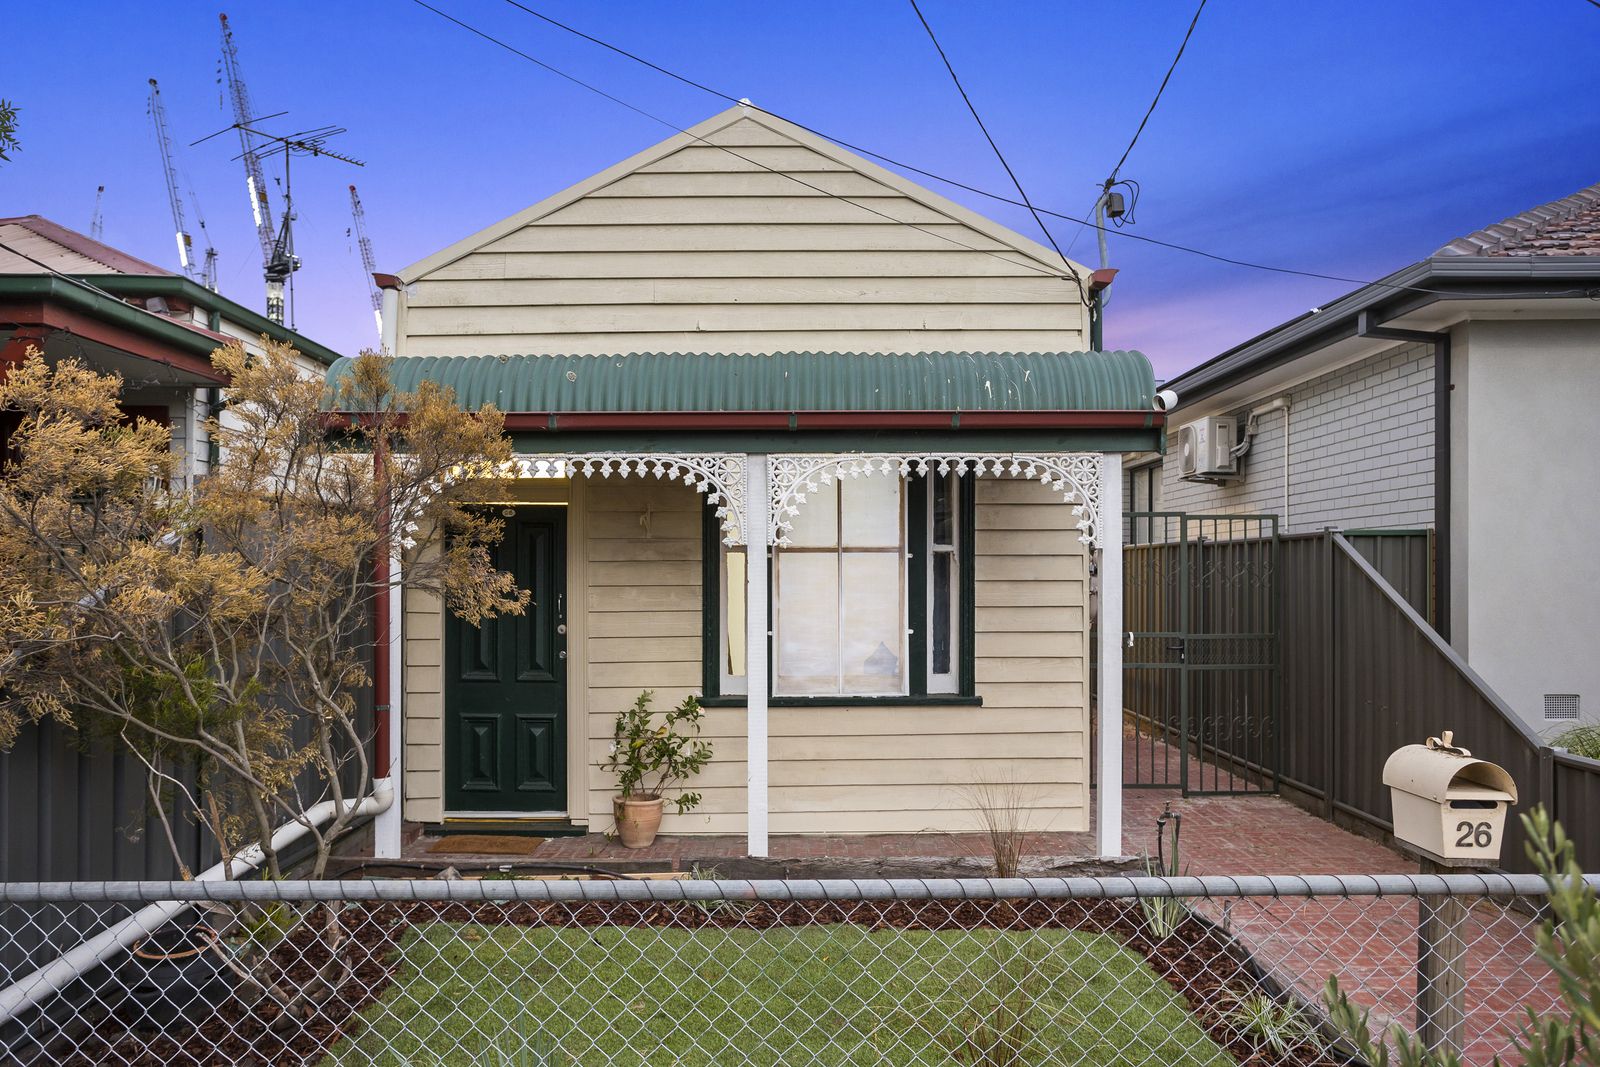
694,245
634,551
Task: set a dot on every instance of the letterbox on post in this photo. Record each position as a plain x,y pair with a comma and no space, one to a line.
1448,806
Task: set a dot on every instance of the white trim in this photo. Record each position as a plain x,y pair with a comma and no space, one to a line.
1108,794
1078,476
386,830
700,134
755,658
719,475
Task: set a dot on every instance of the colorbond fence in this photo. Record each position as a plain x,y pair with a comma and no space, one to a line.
1364,674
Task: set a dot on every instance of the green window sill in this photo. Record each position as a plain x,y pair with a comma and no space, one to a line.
932,700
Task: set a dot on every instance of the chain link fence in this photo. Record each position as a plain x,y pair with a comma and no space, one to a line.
1137,971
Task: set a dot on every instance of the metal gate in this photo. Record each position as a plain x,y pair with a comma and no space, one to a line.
1202,679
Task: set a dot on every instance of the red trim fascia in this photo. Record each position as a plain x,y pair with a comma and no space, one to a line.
53,317
549,421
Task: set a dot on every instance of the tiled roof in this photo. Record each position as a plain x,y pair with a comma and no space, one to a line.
1566,227
39,246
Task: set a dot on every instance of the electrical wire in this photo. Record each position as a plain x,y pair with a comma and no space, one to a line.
1151,110
1041,269
1001,156
1082,221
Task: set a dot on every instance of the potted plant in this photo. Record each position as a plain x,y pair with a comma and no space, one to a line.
651,754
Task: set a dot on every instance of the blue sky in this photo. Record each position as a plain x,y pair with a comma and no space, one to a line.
1349,138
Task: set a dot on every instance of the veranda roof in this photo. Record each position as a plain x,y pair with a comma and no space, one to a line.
797,390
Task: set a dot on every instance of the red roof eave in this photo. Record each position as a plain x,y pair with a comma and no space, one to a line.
829,420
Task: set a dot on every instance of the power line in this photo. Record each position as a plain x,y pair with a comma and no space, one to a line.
1001,156
1151,110
902,165
724,148
1174,246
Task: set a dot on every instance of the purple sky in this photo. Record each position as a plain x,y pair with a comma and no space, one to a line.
1347,138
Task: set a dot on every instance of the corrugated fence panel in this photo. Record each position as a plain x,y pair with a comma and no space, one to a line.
1363,674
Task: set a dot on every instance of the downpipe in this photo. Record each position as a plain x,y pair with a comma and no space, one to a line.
36,988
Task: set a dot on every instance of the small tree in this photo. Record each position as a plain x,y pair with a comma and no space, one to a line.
8,130
1569,943
652,753
219,631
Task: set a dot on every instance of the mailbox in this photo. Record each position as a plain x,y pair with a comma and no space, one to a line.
1447,805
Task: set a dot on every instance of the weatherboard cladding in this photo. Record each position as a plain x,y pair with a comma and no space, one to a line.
788,381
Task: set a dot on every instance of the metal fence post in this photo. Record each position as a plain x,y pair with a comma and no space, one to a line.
1441,968
1330,675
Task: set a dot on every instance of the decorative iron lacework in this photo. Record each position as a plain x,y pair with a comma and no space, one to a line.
1076,475
719,475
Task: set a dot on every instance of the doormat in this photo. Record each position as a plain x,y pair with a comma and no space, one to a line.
486,845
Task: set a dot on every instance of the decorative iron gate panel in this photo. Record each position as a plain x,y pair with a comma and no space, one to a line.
1202,676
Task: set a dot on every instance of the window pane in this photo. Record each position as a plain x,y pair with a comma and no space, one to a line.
733,584
872,647
940,601
943,490
871,511
808,622
817,524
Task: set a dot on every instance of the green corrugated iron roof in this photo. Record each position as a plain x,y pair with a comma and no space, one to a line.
787,381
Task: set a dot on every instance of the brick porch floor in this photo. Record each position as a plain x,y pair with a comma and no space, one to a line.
1221,835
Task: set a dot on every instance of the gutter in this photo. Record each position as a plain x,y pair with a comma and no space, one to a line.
1368,326
200,296
34,989
556,421
1441,278
109,309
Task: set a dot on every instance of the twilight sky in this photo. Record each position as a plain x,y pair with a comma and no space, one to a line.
1349,138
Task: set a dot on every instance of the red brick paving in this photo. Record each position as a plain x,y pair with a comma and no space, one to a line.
1370,943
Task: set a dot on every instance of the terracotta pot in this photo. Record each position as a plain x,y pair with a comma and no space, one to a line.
638,820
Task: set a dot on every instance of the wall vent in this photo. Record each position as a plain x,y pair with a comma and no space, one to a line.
1560,706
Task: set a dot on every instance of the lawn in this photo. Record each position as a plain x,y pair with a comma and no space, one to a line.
548,997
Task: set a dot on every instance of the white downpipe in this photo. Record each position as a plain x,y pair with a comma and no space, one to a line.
757,527
1108,796
389,322
386,829
50,979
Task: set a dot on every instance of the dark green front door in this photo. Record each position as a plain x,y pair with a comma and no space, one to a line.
505,683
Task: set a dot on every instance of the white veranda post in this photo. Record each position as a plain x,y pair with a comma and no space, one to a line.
1108,797
386,834
758,502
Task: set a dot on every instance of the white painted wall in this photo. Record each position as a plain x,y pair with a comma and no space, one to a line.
1526,572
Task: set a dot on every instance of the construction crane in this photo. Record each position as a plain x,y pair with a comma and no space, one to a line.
278,260
206,272
97,226
369,262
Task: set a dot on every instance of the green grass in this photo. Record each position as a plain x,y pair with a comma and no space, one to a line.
832,995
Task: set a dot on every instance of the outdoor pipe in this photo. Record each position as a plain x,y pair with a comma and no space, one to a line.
1367,326
50,979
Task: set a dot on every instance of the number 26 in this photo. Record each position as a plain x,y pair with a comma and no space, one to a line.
1474,834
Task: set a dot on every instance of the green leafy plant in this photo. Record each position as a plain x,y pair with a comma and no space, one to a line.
1163,915
1273,1025
1580,740
8,130
652,753
1568,943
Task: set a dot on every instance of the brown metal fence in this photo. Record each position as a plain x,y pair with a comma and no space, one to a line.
1364,673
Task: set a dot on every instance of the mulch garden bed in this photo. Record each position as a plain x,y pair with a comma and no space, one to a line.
1206,966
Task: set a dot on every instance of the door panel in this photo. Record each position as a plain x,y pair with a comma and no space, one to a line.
505,682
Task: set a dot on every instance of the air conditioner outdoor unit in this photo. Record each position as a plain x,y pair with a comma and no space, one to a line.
1205,448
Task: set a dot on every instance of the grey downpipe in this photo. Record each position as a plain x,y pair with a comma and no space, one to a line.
1367,326
34,989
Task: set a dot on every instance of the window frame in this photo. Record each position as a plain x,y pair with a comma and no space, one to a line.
916,568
